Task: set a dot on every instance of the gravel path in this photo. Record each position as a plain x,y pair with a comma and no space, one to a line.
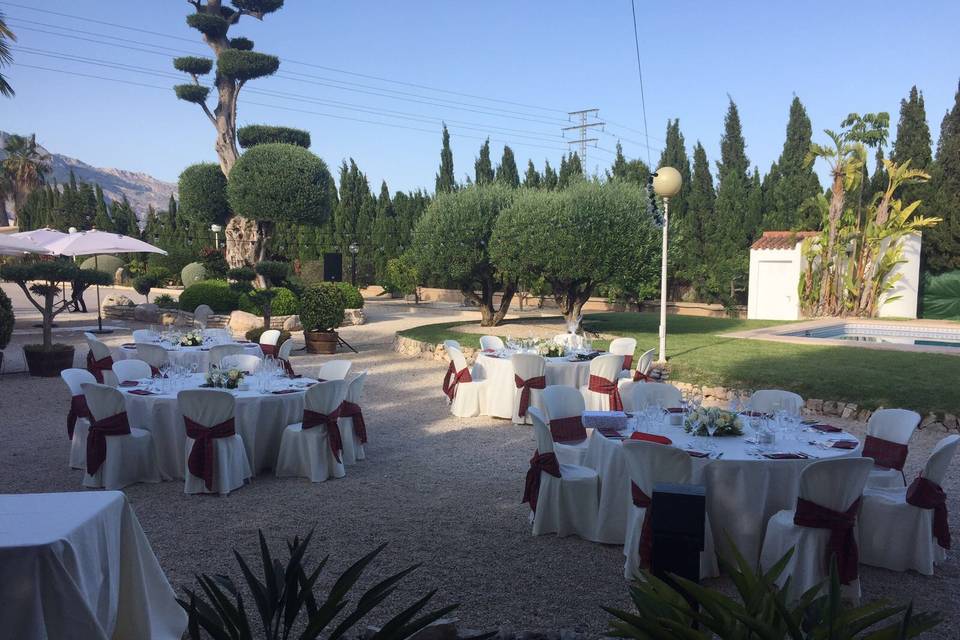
443,491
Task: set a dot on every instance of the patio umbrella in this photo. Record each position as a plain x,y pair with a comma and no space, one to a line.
42,237
85,243
11,245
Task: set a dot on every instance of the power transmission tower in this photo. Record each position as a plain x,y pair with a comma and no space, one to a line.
583,116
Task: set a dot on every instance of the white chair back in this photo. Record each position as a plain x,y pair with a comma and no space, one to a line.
895,425
270,337
242,361
451,344
99,350
131,369
153,354
144,335
645,363
767,401
528,365
102,400
562,402
208,407
75,378
459,362
657,394
334,370
835,484
541,431
221,351
570,340
202,313
325,397
219,336
623,346
939,461
607,366
285,350
649,463
355,388
491,342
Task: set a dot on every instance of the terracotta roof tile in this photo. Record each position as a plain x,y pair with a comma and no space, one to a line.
781,239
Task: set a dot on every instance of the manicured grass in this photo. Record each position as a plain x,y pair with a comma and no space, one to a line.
869,377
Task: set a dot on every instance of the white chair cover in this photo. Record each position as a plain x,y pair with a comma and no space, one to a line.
153,354
130,458
243,362
451,343
607,367
285,350
624,347
334,370
527,366
768,400
467,400
896,535
210,407
202,314
100,351
131,369
834,484
218,335
270,337
565,402
305,453
144,335
645,362
657,394
221,351
647,464
494,343
895,425
352,445
570,340
568,504
75,379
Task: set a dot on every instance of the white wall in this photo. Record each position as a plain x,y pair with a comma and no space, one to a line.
908,287
774,277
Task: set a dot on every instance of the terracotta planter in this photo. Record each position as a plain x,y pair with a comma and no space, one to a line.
48,364
321,341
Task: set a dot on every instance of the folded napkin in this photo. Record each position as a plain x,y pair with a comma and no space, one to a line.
129,383
845,444
141,392
826,428
129,345
698,454
783,455
489,350
755,414
206,385
204,348
282,391
674,410
610,432
651,437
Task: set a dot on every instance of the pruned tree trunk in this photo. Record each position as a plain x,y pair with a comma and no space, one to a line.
491,316
571,297
243,242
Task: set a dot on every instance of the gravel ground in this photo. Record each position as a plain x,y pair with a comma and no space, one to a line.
442,491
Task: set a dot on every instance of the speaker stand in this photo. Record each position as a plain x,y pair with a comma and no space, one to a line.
343,343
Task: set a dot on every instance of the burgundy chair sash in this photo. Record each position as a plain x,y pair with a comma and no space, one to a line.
78,409
569,429
926,494
313,419
643,501
154,371
546,462
352,410
628,361
462,376
202,460
97,367
842,543
886,454
115,425
268,349
538,382
602,385
287,367
641,377
448,378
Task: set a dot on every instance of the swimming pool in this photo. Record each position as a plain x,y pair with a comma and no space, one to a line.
885,333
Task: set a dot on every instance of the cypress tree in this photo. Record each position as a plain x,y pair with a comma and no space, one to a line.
636,172
698,223
675,155
913,143
445,178
941,244
385,238
102,220
792,181
878,180
550,178
531,179
483,167
507,173
619,167
570,170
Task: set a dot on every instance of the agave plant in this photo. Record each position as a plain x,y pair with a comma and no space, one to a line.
287,605
685,610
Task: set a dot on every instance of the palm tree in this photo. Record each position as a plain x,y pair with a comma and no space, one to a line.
26,167
5,56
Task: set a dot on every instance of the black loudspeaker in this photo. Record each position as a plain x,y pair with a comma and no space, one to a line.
333,267
679,518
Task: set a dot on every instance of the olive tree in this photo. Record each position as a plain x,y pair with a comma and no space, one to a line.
575,239
452,247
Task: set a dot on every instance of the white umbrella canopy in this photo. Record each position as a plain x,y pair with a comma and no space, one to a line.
11,245
42,237
85,243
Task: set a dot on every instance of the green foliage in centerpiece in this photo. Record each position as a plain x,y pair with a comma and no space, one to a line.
191,339
229,379
550,349
727,423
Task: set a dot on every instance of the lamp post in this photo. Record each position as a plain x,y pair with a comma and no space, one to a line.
666,184
354,250
216,235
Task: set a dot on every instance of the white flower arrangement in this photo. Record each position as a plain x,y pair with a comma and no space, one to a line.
726,422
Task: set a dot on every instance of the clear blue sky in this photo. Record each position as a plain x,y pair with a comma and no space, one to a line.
557,56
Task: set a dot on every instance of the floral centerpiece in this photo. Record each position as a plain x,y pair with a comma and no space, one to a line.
229,379
191,339
550,349
725,423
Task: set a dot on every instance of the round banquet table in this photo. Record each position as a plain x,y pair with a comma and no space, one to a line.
743,488
187,356
260,420
497,370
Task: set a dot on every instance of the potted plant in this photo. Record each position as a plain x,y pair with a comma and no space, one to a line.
6,324
321,312
40,281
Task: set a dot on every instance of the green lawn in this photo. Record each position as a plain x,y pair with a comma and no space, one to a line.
869,377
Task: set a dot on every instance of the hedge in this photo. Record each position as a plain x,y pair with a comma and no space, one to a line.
285,303
215,293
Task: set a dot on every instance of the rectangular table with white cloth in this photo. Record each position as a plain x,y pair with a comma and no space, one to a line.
78,565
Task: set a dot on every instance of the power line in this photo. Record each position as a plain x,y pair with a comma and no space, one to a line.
583,116
643,102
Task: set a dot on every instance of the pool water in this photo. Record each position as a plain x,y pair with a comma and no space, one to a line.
888,334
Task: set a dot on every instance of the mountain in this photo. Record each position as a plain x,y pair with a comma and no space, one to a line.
142,190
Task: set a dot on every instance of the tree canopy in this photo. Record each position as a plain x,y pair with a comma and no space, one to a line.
203,194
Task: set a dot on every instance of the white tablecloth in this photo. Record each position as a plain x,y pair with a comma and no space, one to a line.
260,421
187,356
78,565
743,491
497,397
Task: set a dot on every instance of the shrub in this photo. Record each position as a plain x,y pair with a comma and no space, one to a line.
311,272
402,276
214,262
254,134
351,296
241,279
254,335
174,262
104,264
192,274
165,301
143,285
161,275
215,293
203,194
273,271
285,302
321,307
6,320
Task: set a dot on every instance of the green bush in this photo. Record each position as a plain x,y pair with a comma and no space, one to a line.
215,293
203,194
160,275
174,262
351,296
941,296
321,307
402,276
254,134
6,320
143,285
273,271
285,302
215,263
254,335
165,301
192,274
104,264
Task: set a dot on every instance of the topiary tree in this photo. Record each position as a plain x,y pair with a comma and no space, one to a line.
6,320
321,308
203,194
143,285
451,247
254,134
192,273
104,263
